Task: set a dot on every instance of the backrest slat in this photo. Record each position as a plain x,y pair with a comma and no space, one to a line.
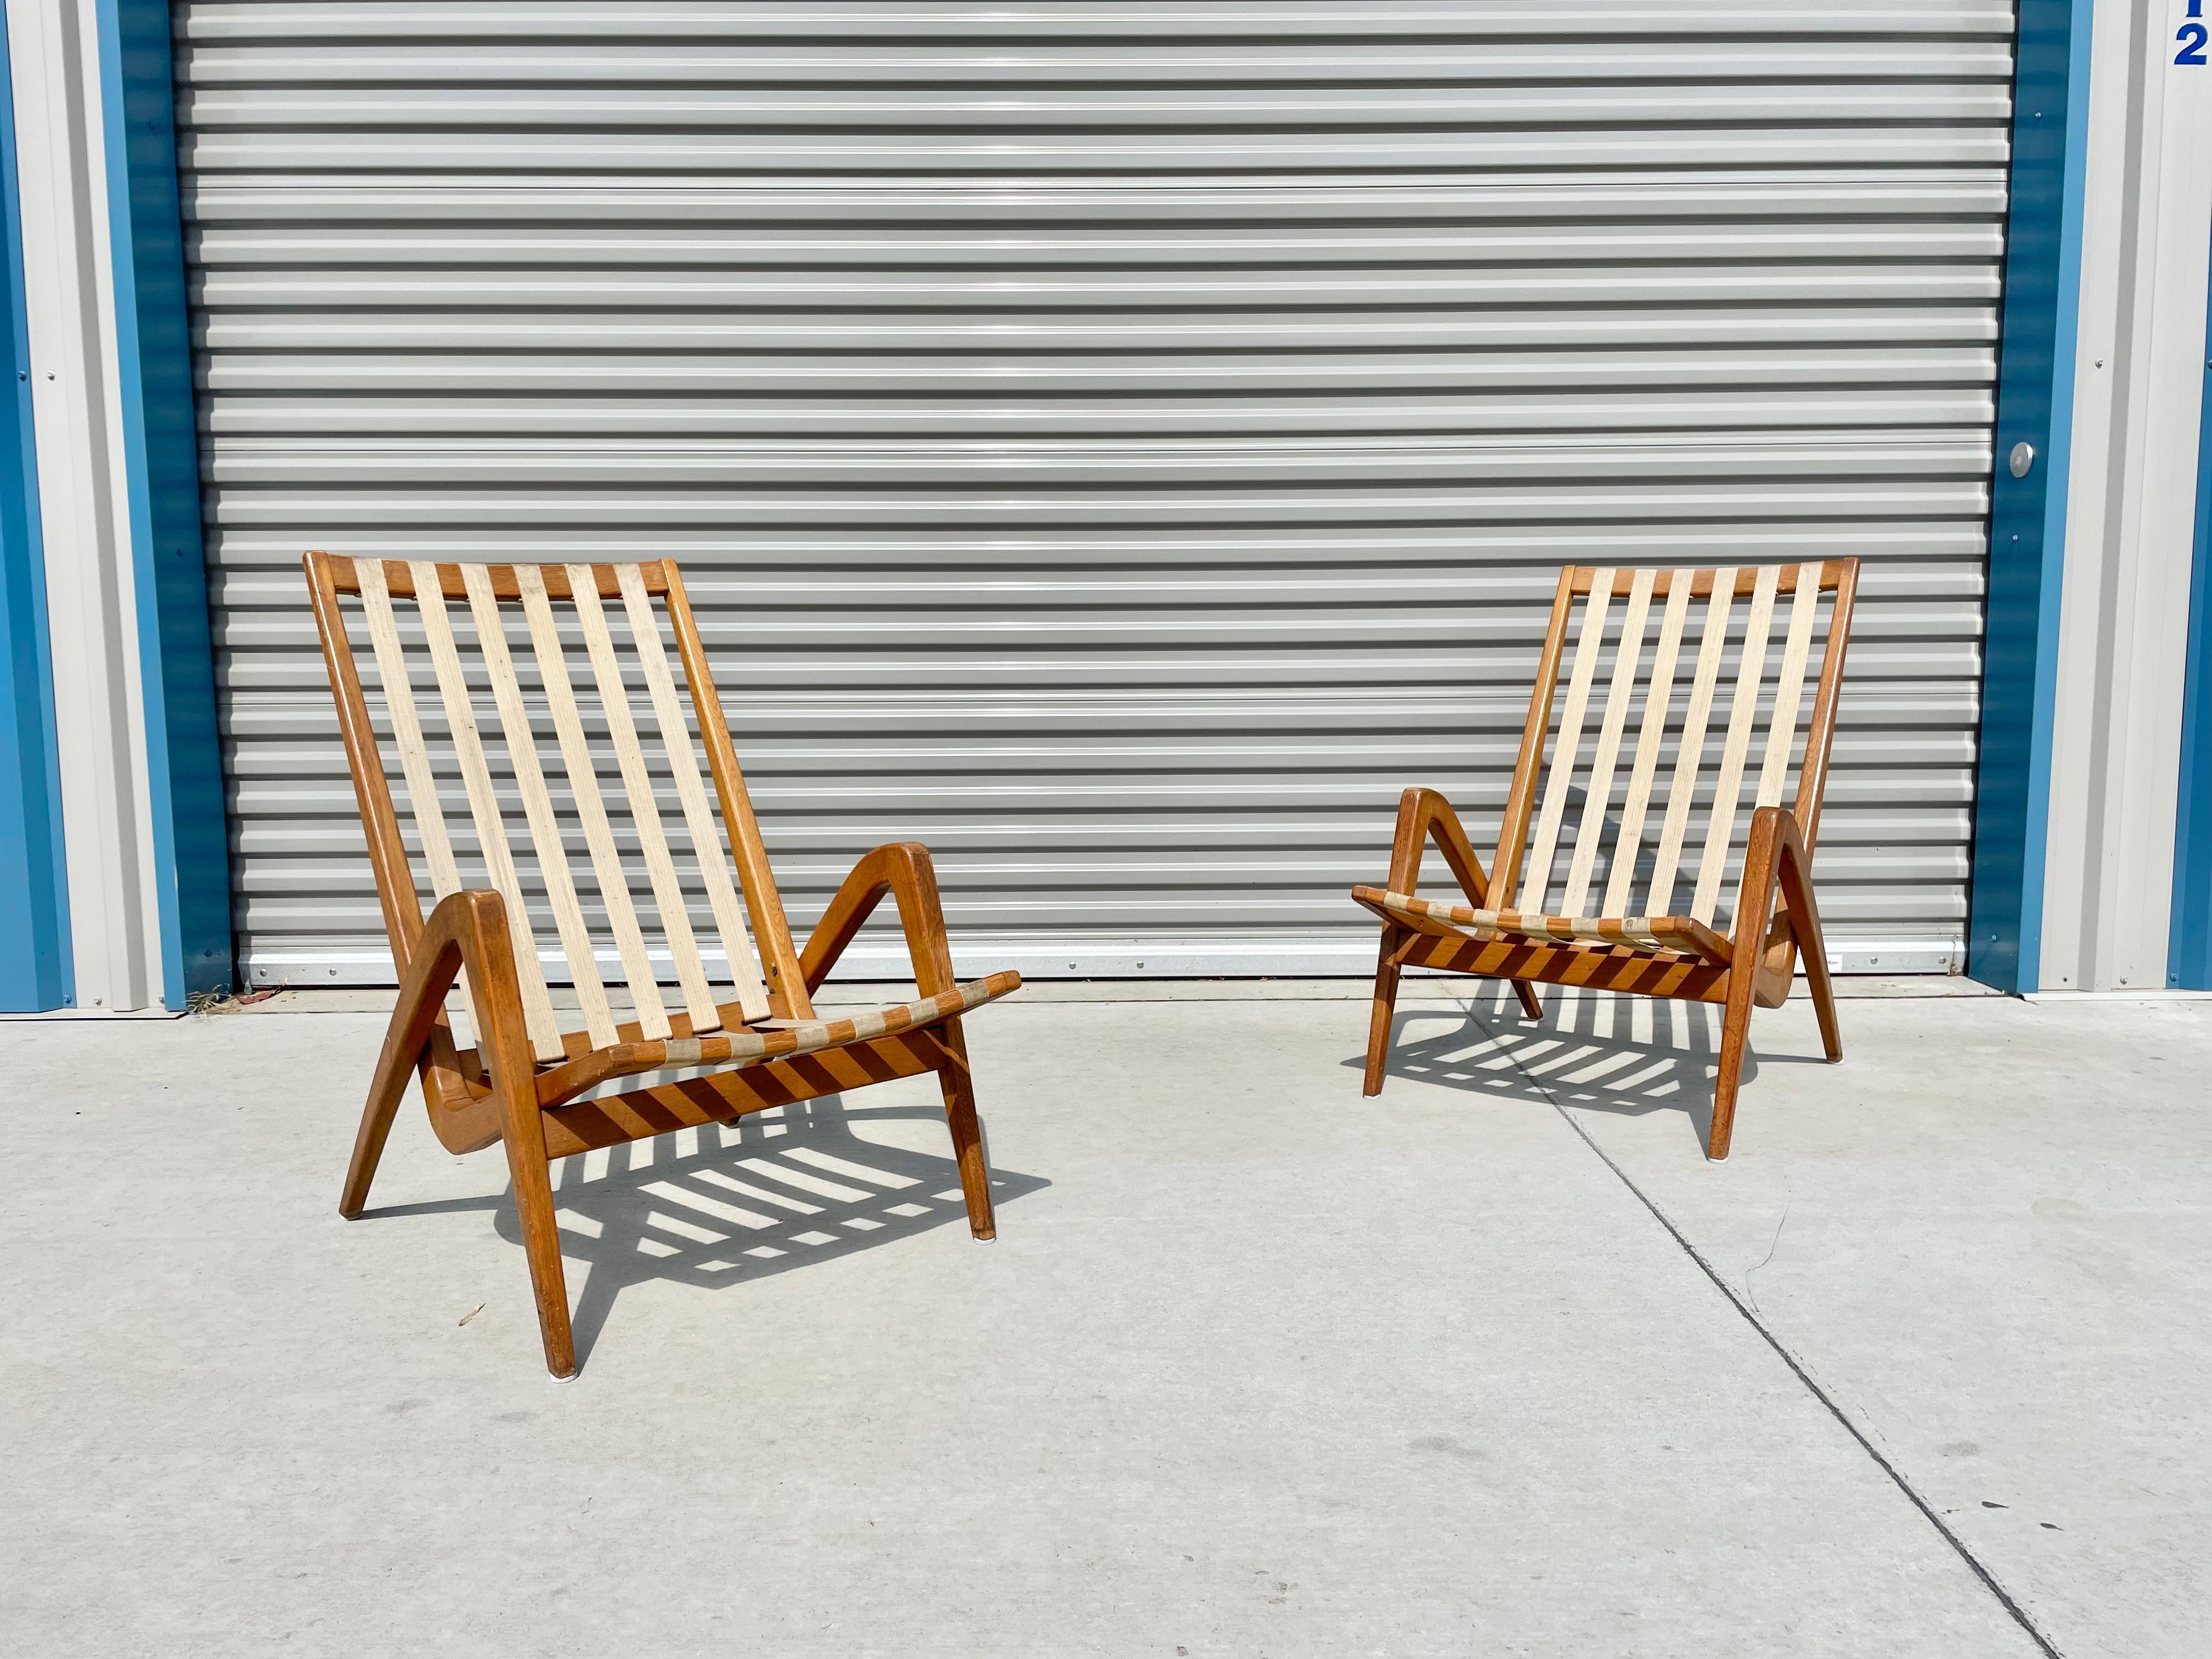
1728,786
1664,760
538,807
414,754
1789,688
591,811
787,982
598,905
1651,738
1813,775
645,811
1567,748
483,808
691,791
1598,791
1690,753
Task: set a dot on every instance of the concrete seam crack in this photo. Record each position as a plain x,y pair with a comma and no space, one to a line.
1750,1316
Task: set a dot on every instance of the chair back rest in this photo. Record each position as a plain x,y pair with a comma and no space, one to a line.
508,692
1709,670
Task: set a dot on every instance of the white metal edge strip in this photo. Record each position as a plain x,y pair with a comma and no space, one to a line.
97,672
1150,966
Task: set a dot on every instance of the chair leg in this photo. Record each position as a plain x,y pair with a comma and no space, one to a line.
523,1133
1379,1018
541,1244
1530,1007
1735,1030
1824,1004
368,1144
960,1117
1813,947
422,994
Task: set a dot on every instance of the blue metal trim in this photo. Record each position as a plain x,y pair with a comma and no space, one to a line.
2027,517
2189,942
35,969
183,759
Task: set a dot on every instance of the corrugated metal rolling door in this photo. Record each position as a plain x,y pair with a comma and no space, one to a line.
1120,444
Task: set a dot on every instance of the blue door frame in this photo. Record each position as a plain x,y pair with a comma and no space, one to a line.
2189,950
34,950
161,453
2027,513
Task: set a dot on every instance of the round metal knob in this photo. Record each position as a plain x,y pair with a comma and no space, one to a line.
2023,457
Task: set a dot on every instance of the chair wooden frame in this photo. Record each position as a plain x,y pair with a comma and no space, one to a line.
1683,955
524,1084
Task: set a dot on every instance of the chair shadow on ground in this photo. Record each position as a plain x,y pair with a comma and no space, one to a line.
736,1203
1593,1050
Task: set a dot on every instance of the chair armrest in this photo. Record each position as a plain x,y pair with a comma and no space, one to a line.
466,931
902,869
1424,814
1775,866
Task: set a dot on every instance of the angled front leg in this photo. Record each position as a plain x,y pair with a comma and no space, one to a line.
1424,815
489,953
447,941
468,931
902,869
1382,1011
1775,861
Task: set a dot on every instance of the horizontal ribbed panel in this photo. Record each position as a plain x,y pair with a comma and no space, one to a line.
1120,444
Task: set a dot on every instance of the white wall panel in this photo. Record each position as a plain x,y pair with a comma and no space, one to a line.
2131,511
91,592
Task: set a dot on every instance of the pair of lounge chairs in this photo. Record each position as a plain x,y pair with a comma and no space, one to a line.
741,1024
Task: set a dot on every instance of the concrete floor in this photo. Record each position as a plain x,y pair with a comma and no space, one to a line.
1495,1365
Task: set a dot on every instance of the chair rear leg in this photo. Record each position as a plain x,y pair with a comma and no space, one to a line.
1812,948
523,1133
1735,1030
541,1244
959,1091
1379,1018
1530,1007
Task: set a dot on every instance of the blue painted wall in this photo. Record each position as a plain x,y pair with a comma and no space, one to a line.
35,955
2189,953
161,458
2028,525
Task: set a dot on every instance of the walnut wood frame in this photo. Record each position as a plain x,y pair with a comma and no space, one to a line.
1775,912
500,1092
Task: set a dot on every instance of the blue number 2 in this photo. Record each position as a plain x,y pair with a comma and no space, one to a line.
2192,37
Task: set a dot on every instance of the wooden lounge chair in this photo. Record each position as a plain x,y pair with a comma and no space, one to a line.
1630,832
528,1082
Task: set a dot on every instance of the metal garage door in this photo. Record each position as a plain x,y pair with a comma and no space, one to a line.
1120,444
